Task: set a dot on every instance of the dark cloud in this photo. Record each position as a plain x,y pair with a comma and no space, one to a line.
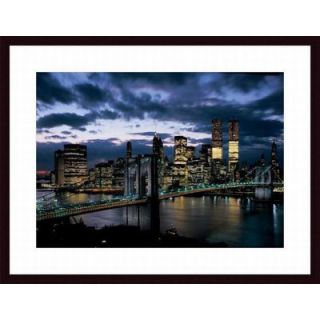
70,119
73,120
191,100
49,90
90,94
244,82
152,78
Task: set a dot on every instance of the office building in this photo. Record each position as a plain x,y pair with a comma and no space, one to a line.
233,151
75,164
180,150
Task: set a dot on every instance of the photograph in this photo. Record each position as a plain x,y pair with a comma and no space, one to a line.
159,159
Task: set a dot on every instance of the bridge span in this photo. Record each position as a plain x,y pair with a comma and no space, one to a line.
53,211
86,207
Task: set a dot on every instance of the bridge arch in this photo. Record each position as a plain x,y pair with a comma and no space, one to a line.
141,176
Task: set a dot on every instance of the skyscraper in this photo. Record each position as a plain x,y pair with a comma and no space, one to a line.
129,149
190,152
104,174
233,145
180,150
205,153
217,150
75,163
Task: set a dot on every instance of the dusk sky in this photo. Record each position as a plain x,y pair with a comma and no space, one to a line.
105,110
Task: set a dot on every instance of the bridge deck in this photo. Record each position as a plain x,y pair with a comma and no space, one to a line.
87,207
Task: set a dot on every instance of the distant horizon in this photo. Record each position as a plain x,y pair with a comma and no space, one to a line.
105,110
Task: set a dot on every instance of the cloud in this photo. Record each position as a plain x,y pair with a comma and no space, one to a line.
73,120
245,82
70,119
55,136
190,100
152,78
150,134
91,95
50,91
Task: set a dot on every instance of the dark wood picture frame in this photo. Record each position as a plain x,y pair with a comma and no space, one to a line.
6,42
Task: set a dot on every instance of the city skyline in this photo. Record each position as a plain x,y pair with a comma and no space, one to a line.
105,110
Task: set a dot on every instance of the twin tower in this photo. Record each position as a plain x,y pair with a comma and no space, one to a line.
217,145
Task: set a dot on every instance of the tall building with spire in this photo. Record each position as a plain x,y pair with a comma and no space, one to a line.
129,150
217,148
233,150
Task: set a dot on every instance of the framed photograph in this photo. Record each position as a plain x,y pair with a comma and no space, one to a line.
159,159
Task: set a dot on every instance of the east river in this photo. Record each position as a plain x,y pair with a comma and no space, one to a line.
238,222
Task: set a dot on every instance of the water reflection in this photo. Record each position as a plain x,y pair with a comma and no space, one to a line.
239,222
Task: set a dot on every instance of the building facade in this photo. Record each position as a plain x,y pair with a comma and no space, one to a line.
217,149
233,150
180,150
71,165
104,175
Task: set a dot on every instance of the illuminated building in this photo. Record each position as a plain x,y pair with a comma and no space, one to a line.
180,150
180,170
233,145
190,152
205,153
118,173
217,149
59,167
168,175
92,176
180,174
198,172
217,153
104,174
75,164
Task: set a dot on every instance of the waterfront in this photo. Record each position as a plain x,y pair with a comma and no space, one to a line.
235,222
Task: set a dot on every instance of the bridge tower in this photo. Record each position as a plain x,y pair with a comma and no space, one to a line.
263,178
141,176
138,171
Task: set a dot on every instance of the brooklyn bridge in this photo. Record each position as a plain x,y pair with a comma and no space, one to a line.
142,187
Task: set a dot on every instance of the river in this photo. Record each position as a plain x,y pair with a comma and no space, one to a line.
238,222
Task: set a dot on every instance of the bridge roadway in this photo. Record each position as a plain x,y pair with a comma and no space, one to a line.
87,207
52,212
